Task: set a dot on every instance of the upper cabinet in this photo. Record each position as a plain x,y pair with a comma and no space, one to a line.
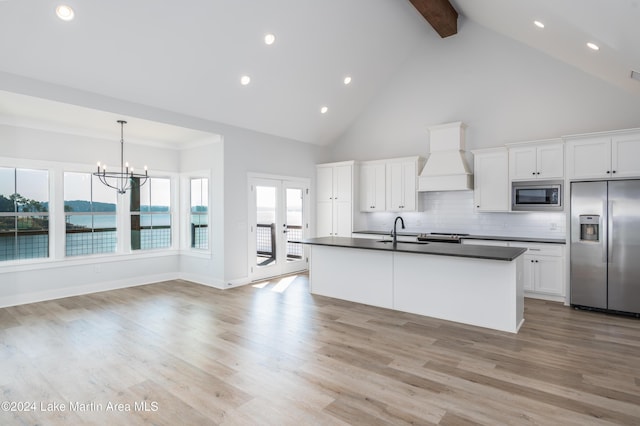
402,184
334,200
390,185
491,182
611,156
536,160
373,186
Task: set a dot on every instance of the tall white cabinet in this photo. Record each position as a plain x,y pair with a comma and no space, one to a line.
334,212
491,180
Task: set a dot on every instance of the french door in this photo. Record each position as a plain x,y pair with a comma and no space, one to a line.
278,214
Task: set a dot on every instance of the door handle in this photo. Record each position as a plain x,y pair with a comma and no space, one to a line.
610,231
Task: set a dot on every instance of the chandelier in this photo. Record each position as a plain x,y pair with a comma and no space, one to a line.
123,180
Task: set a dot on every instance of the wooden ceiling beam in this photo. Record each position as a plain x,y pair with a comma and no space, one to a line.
440,14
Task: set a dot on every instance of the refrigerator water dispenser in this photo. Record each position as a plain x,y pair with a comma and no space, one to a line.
589,228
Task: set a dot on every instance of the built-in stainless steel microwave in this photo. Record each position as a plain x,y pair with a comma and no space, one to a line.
536,195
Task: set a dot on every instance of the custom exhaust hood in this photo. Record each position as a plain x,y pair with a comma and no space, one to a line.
446,168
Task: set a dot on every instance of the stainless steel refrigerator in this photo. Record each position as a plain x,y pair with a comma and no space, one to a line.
605,245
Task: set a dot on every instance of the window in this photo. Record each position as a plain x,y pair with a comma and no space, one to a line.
200,213
151,215
90,215
24,214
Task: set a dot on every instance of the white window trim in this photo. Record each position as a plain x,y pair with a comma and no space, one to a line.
185,230
57,230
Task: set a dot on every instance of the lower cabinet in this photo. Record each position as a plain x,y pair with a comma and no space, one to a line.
543,274
544,267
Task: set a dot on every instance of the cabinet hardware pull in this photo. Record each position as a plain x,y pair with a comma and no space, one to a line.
608,172
613,171
533,173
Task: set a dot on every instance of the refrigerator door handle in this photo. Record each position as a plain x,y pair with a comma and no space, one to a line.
610,231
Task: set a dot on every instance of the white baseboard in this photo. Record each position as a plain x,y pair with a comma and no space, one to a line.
545,297
59,293
202,280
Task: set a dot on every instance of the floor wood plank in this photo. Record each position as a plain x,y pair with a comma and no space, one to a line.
180,353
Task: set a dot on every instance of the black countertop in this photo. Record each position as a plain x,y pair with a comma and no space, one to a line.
438,249
479,237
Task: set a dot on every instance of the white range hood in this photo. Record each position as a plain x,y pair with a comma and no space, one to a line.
446,168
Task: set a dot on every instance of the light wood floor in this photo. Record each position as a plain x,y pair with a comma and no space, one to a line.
278,355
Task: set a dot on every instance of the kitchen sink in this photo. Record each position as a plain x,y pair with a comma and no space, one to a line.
402,242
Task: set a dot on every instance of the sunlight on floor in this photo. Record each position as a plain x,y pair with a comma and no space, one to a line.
280,286
284,283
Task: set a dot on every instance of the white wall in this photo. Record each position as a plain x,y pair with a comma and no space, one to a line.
246,151
205,266
503,90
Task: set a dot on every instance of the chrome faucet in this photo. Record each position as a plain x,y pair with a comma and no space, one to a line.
394,233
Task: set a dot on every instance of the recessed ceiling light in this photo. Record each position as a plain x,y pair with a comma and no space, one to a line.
65,12
347,80
538,24
593,46
269,39
245,79
324,110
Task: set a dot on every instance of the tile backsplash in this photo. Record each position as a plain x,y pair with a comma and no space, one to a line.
453,211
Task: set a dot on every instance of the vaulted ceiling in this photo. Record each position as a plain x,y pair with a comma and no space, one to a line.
189,57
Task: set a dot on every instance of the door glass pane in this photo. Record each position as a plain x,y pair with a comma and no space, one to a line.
265,225
294,224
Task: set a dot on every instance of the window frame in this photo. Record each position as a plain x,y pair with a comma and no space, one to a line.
190,233
17,214
141,213
92,214
57,230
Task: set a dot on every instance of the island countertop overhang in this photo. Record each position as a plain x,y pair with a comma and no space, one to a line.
506,254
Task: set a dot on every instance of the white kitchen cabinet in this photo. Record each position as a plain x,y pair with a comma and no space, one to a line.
536,160
605,156
373,186
543,269
390,185
491,179
334,200
402,184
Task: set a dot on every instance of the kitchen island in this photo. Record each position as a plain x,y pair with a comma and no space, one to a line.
477,285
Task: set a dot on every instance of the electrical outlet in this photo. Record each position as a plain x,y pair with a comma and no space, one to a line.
553,226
